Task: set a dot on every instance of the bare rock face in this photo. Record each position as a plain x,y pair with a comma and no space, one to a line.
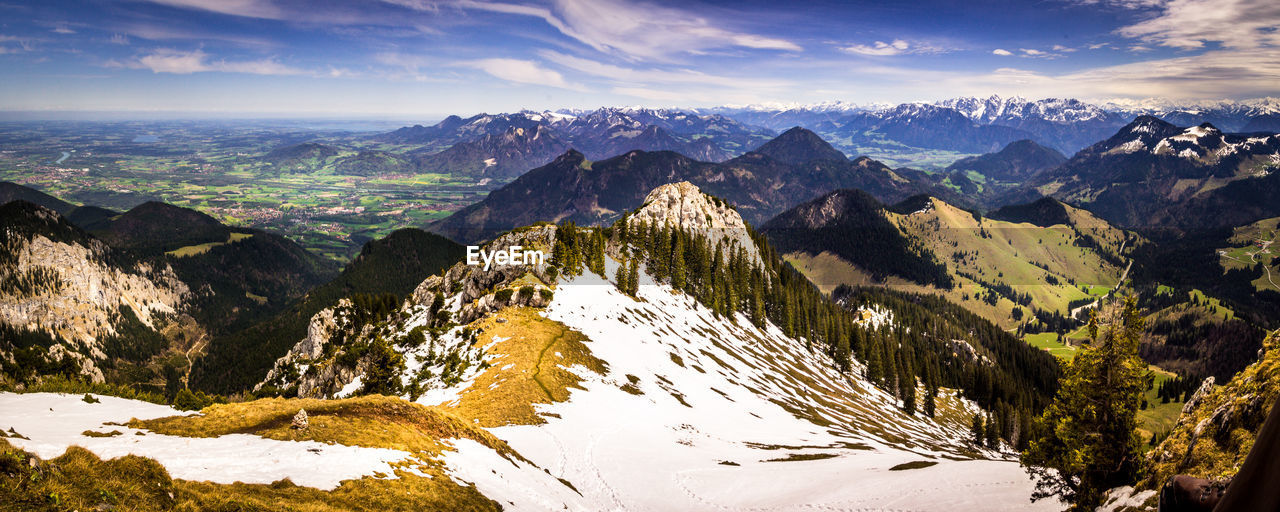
683,205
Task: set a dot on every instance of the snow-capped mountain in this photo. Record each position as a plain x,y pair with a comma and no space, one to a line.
997,110
1152,173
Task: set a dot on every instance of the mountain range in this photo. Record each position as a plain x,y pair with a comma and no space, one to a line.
760,183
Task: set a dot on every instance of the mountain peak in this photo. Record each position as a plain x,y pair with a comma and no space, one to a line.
685,206
798,146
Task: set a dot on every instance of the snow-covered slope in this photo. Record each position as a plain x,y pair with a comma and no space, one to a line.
732,417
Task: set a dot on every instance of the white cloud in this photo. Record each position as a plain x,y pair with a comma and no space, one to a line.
634,31
633,76
243,8
119,39
1190,24
880,48
1096,46
184,63
62,28
1064,49
1001,52
523,72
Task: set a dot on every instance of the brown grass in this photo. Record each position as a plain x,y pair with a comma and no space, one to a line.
539,351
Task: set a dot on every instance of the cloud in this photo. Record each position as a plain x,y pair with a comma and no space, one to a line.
632,76
62,28
185,63
120,39
1096,46
880,48
1190,24
634,31
523,72
1063,49
242,8
1001,52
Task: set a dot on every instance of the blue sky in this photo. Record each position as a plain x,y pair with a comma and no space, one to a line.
427,58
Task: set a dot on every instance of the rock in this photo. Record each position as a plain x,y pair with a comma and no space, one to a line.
1205,388
300,421
685,206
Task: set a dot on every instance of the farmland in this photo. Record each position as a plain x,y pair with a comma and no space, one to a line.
223,168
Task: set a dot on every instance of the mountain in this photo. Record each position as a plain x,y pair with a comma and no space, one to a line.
1031,266
72,305
1205,442
1066,124
798,146
680,369
852,225
509,139
154,227
1230,116
501,157
1017,162
1265,123
1152,174
303,157
923,126
575,188
10,191
393,265
373,163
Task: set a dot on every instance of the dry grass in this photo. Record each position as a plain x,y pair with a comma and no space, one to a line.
529,368
79,480
372,421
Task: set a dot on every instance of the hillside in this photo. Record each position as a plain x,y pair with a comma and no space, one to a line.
498,156
1152,174
987,176
70,304
392,265
586,192
1008,272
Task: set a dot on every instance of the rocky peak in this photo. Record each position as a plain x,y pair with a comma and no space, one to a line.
683,205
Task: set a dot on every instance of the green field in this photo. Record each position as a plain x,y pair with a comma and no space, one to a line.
1157,417
1048,341
221,169
192,250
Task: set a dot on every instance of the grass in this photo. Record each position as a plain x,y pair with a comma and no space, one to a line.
79,480
1157,417
1048,341
995,252
193,250
372,421
528,368
803,456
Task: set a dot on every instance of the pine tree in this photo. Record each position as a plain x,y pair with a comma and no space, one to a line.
976,428
993,432
931,402
1086,440
677,263
633,277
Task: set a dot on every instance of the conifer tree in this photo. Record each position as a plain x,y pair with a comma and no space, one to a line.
977,430
677,263
1086,440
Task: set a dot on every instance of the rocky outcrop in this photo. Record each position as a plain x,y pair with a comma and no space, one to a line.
1219,424
59,281
683,205
464,293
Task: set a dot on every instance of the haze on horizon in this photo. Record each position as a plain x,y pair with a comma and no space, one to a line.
396,58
